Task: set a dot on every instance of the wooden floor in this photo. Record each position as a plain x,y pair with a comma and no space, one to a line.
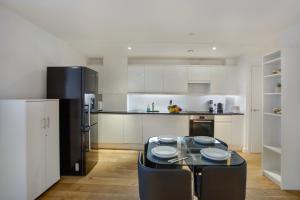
115,177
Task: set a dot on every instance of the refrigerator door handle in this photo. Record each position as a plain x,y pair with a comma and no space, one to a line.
89,113
89,140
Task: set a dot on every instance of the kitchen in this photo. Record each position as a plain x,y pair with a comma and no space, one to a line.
112,82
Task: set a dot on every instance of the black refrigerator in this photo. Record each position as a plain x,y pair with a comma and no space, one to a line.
76,88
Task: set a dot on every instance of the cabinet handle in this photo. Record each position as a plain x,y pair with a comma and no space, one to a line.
44,123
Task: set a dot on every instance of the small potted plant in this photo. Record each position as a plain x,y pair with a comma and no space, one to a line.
278,88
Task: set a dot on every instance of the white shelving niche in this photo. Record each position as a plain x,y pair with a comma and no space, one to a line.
272,121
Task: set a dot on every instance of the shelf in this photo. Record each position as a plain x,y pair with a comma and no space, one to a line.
273,61
272,75
272,93
273,148
273,114
273,175
276,53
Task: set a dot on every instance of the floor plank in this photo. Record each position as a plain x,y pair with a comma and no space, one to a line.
115,177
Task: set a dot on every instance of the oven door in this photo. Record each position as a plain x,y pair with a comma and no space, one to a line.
200,127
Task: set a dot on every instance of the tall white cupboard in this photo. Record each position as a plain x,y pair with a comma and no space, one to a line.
29,147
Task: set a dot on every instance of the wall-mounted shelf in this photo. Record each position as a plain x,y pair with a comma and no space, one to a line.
272,152
273,61
272,75
272,93
273,148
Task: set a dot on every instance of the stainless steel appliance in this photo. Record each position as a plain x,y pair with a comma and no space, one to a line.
76,88
211,106
202,125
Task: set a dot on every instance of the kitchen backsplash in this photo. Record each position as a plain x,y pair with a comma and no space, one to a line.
139,102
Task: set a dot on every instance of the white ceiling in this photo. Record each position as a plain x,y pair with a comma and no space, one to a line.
162,27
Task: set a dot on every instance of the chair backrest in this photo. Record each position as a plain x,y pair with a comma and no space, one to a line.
226,183
226,145
163,184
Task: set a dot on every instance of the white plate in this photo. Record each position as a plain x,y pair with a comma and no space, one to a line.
164,152
215,154
204,139
167,139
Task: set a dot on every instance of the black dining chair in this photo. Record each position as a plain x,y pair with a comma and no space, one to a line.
163,184
222,182
223,143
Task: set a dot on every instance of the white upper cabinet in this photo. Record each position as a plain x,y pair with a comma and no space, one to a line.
175,79
136,78
154,79
224,80
200,74
218,80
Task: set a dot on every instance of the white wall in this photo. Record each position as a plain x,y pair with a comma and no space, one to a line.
26,50
139,102
291,37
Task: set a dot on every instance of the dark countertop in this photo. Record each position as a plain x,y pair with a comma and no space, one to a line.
167,113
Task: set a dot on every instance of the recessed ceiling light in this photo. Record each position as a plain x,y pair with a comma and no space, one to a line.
190,50
129,48
214,48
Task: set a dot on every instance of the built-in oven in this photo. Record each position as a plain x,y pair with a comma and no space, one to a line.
202,125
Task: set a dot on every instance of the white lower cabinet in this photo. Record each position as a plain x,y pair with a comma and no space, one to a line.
230,130
223,131
112,128
119,128
138,128
155,125
29,147
133,129
237,131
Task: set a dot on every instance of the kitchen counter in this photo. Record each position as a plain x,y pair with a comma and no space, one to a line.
167,113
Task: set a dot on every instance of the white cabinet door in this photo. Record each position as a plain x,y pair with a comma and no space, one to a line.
223,131
175,79
200,74
232,80
218,81
154,79
36,163
224,80
154,125
237,130
52,142
223,127
112,128
133,129
136,78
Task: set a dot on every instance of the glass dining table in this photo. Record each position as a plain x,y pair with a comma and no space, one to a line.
187,147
